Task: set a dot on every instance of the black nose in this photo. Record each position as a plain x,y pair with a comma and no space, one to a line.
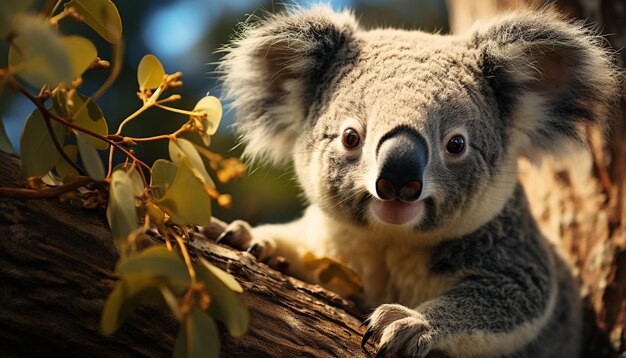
402,157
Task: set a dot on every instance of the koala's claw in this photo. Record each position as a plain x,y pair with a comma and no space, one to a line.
256,250
237,234
400,332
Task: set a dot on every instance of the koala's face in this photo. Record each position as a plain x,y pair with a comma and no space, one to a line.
409,135
409,130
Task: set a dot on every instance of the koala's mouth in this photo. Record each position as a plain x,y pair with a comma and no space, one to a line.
396,212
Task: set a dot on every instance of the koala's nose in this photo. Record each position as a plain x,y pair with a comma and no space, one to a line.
402,157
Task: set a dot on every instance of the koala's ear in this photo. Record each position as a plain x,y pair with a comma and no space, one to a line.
552,78
274,71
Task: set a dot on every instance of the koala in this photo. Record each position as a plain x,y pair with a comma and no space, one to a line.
406,144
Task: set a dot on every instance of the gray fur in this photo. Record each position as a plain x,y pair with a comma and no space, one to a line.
471,275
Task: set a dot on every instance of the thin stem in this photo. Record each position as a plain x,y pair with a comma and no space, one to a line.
55,19
21,193
54,9
183,250
179,111
45,111
130,118
182,129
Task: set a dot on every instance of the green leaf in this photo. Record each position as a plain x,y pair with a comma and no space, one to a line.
186,200
5,142
42,57
213,108
227,304
162,174
100,15
182,148
125,297
198,337
121,212
36,146
8,11
89,155
156,261
82,53
63,168
85,113
150,72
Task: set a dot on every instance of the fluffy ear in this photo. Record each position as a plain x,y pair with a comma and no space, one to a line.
552,78
276,69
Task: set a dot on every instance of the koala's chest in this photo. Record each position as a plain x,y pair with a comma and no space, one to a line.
393,274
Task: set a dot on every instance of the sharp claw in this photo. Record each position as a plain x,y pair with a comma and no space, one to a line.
366,337
224,237
255,250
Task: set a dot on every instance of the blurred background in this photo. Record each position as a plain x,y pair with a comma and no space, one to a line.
186,35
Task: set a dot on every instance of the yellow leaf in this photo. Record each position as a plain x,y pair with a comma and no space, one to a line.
334,275
84,113
63,168
100,15
156,261
227,304
162,175
121,212
82,53
37,149
213,109
182,148
38,54
89,156
198,337
186,199
150,72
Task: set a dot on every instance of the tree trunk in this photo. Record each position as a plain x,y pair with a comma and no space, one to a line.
56,270
580,201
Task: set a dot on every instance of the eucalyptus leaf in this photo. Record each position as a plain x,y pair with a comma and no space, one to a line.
38,152
182,148
213,108
5,142
156,261
121,212
63,168
198,337
38,54
82,53
162,175
227,304
125,297
84,113
100,15
150,72
186,200
89,156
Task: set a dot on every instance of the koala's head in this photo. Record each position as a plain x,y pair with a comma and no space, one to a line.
410,130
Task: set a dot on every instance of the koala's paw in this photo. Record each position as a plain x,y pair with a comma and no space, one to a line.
240,235
400,332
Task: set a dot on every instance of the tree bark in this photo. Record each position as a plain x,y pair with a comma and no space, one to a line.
56,270
580,201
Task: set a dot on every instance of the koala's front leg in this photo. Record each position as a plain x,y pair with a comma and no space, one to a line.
269,242
470,320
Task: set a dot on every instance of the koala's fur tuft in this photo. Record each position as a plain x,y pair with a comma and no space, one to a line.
406,146
554,77
274,71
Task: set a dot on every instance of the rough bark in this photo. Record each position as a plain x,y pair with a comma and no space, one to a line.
56,270
580,201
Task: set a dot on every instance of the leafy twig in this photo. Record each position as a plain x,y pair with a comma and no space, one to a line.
21,193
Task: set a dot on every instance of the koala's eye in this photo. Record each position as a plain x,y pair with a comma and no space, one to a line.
456,145
350,138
